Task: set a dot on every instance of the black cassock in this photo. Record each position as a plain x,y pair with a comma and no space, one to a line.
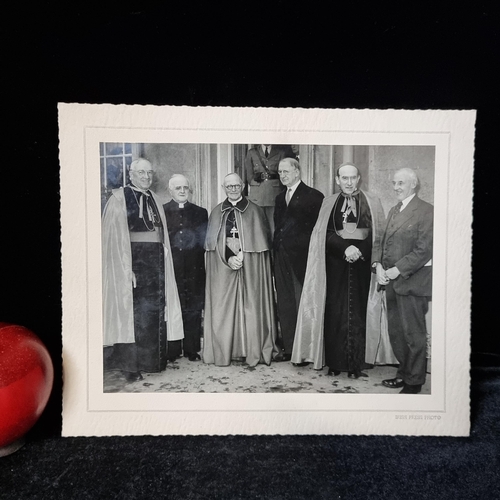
187,229
347,286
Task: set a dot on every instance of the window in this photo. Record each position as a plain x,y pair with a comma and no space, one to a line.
115,158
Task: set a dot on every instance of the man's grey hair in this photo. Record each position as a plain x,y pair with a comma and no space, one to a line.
134,164
291,161
177,176
410,173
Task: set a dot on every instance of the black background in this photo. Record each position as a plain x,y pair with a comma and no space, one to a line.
381,56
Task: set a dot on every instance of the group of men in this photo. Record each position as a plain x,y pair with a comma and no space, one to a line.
281,272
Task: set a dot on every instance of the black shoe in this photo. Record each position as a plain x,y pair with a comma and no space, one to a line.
333,372
194,357
171,359
279,357
282,357
411,389
356,374
393,383
304,363
133,376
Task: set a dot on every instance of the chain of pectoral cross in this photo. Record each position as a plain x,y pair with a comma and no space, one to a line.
234,230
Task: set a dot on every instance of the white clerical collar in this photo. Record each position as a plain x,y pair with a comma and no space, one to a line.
405,202
293,188
181,205
234,203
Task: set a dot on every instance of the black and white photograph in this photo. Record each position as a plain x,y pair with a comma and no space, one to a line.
242,275
315,274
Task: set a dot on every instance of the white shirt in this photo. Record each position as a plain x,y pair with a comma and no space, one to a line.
292,189
264,149
405,202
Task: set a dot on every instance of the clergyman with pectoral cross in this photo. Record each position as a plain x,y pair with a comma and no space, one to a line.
240,322
141,307
339,280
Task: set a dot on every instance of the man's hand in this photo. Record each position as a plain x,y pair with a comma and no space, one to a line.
392,273
235,262
382,278
352,254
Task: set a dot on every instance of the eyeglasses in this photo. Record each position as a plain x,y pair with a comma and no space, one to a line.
144,173
233,187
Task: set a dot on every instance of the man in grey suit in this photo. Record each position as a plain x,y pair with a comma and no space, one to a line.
403,266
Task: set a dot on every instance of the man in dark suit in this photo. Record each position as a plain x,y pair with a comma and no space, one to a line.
403,265
295,215
261,176
187,229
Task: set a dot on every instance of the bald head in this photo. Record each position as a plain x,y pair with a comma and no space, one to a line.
346,164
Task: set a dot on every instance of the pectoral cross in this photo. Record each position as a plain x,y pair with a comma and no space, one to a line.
234,231
344,217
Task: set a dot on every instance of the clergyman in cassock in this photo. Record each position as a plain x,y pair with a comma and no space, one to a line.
187,229
331,324
240,321
141,306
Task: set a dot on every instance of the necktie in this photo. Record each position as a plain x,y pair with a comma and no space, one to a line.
267,151
288,195
397,209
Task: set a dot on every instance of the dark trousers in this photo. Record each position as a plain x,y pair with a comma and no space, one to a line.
192,334
288,291
408,334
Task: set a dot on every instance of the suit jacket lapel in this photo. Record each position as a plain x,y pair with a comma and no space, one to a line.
296,195
294,202
404,216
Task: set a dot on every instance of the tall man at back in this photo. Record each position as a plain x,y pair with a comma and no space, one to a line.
187,229
261,176
295,215
403,266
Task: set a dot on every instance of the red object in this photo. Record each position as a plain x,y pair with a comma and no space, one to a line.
26,377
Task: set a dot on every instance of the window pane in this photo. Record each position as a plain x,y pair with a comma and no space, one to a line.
128,148
114,148
128,162
114,172
101,149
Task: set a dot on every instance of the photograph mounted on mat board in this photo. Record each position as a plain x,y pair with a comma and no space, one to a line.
252,270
